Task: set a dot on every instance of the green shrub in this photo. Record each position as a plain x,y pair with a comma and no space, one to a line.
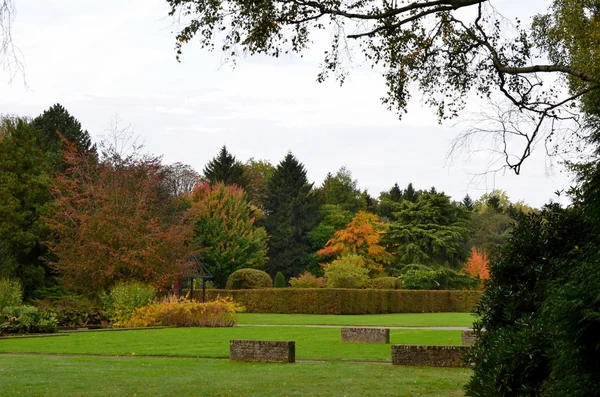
440,279
26,320
181,312
349,301
279,280
349,271
73,312
385,283
125,297
11,293
249,279
308,280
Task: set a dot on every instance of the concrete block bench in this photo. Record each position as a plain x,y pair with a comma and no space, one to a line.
365,335
429,356
262,351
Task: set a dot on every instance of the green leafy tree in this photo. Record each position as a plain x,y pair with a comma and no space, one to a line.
226,169
52,121
333,218
279,280
291,213
432,230
24,191
258,174
226,234
340,189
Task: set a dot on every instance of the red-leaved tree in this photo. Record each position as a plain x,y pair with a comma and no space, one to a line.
477,265
111,223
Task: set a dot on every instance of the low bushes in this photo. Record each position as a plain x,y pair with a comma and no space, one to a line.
180,312
349,271
350,301
11,293
308,280
385,283
438,279
26,320
73,312
124,298
249,279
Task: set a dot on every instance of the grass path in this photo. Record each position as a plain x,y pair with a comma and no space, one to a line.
85,376
379,320
311,343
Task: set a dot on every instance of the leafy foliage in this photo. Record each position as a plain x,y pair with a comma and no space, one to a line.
124,298
386,283
340,189
226,235
516,353
26,320
180,312
349,271
361,237
279,280
432,230
477,265
438,279
73,312
258,174
11,293
249,279
108,219
291,213
308,280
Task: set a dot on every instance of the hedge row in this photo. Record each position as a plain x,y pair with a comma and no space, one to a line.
348,301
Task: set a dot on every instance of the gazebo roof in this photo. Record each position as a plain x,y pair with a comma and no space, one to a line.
199,270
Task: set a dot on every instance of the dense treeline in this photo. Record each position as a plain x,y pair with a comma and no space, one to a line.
84,217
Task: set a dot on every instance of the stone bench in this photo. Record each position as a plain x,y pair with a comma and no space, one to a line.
468,337
262,351
365,335
429,356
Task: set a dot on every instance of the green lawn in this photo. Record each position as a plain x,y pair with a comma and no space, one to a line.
311,343
78,376
389,320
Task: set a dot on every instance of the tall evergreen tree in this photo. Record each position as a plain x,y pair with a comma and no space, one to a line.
226,169
468,203
46,127
395,193
291,213
24,190
410,193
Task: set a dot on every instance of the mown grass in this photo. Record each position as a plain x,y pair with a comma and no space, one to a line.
383,320
100,376
311,343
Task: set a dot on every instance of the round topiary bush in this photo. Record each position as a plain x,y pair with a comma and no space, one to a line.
249,279
385,283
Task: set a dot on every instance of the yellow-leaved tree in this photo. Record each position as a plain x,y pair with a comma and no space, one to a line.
361,237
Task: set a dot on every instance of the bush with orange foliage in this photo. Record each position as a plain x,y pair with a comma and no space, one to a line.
361,237
477,265
181,312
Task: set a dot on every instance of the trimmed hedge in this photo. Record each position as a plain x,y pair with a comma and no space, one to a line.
349,301
249,279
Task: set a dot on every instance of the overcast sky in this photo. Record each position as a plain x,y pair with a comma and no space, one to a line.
116,57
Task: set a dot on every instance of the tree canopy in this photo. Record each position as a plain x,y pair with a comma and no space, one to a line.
452,50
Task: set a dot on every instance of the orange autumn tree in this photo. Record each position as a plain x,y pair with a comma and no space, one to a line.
361,237
477,265
111,223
